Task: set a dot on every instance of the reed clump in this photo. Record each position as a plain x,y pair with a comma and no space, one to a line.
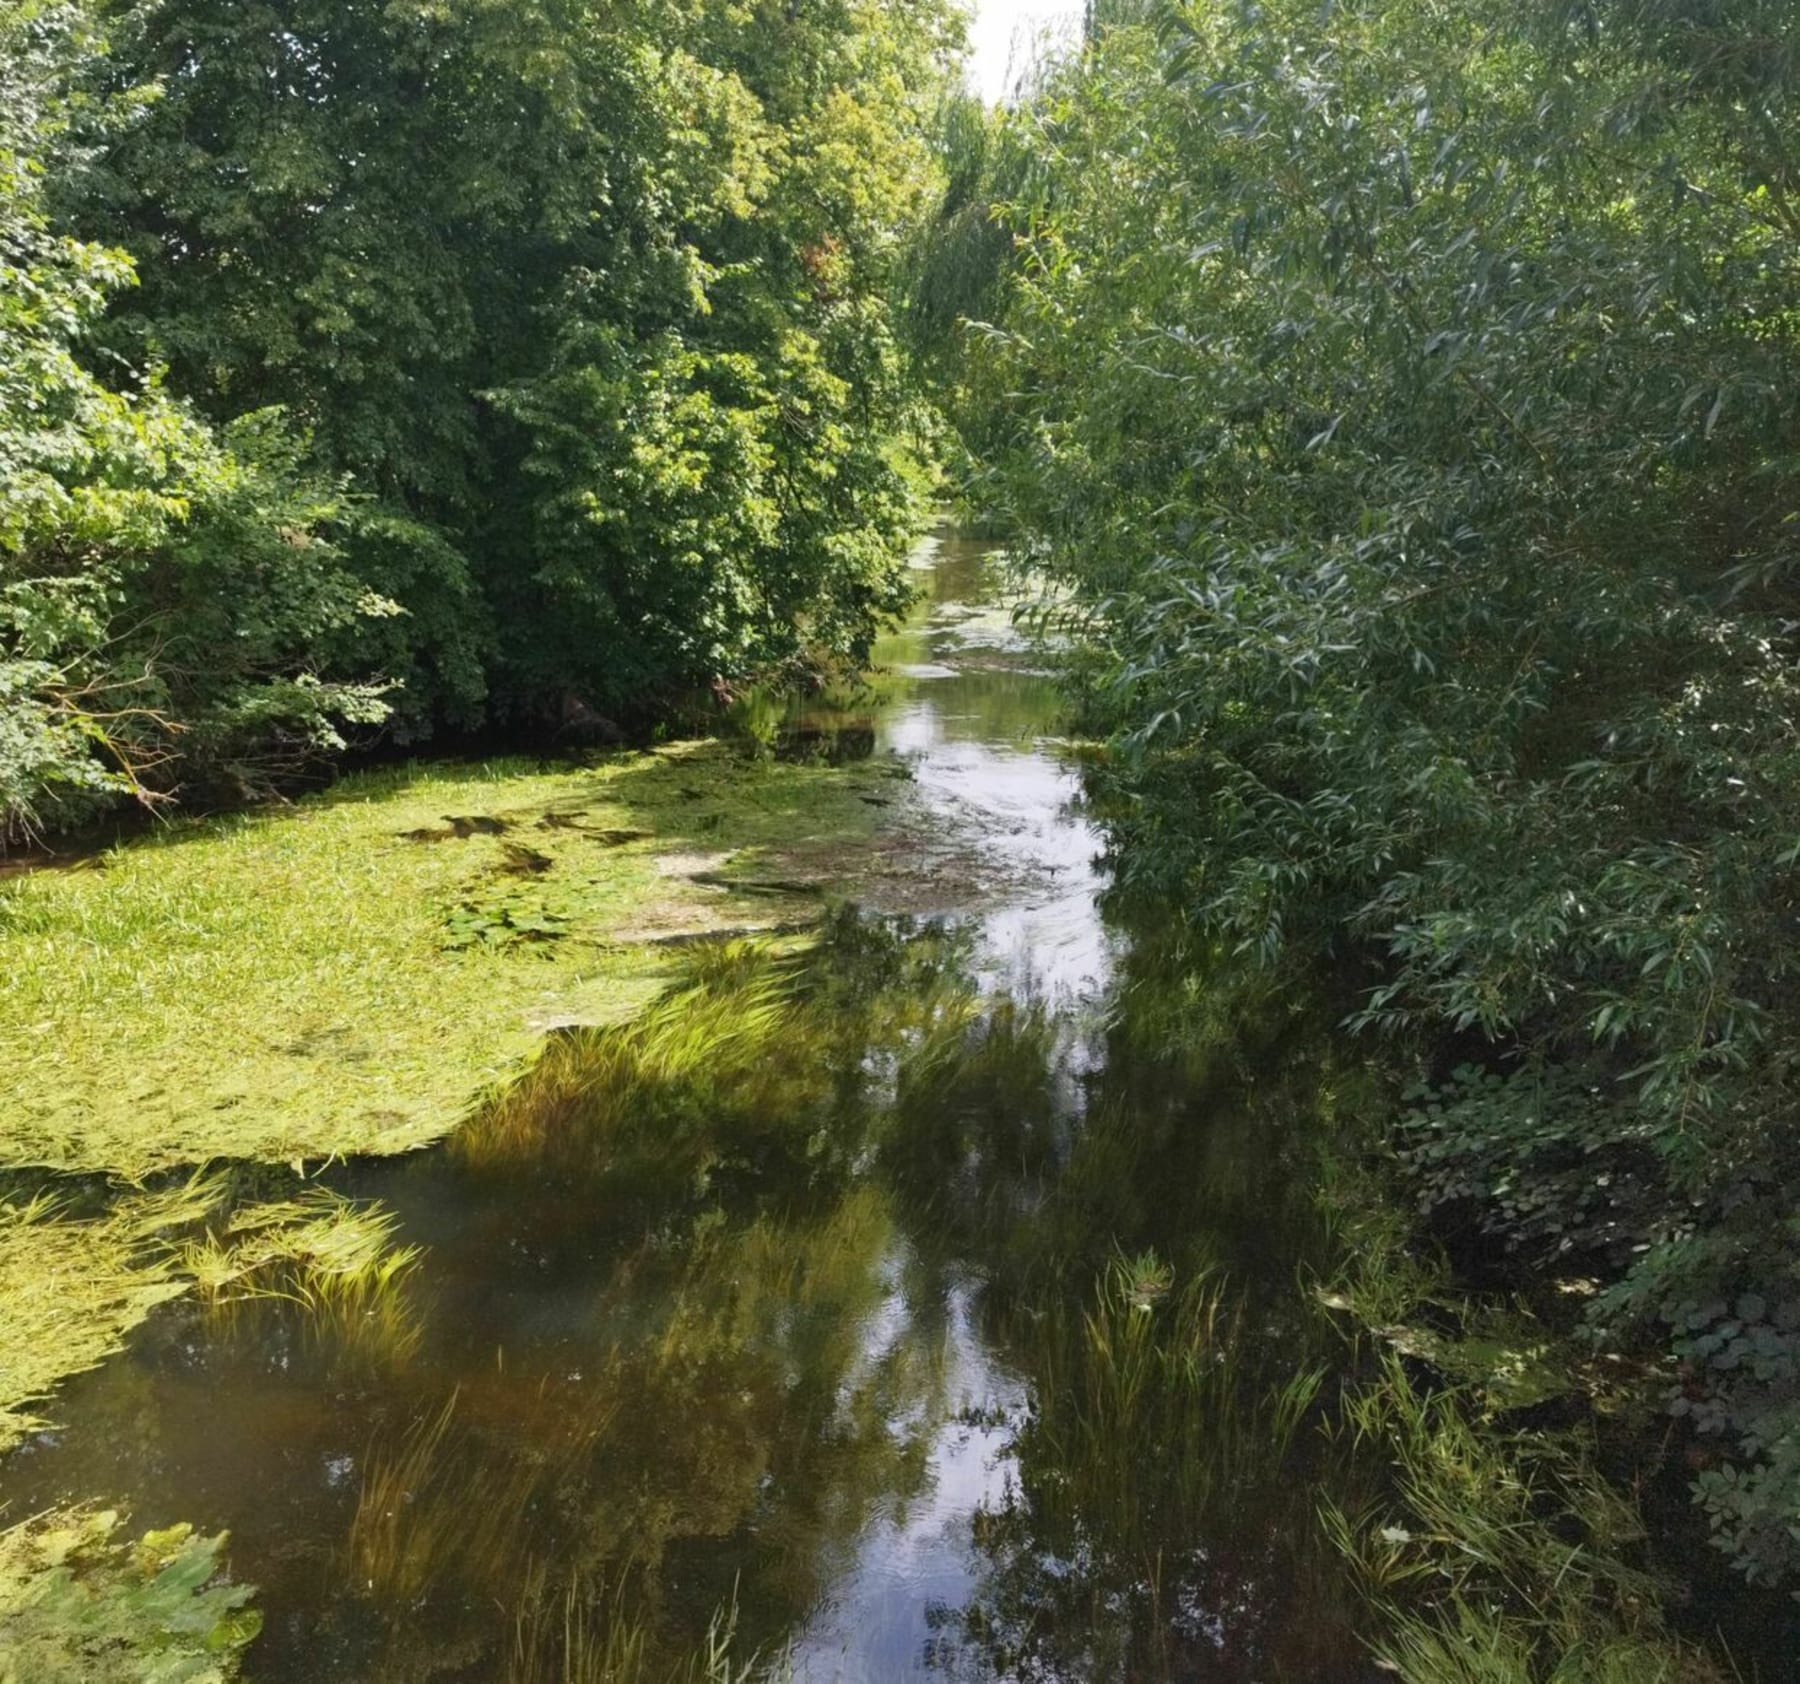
1158,1398
581,1634
430,1513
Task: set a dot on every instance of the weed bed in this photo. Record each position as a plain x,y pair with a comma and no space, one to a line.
351,975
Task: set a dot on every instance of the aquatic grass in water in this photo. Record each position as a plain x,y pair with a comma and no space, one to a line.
1165,1472
1152,1374
601,1463
289,985
442,1504
72,1286
272,987
721,1321
584,1636
1503,1556
1499,1555
711,1040
423,1521
742,1292
334,1259
970,1052
577,1636
746,1056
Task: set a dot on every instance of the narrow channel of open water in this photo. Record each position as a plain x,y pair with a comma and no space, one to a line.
928,1327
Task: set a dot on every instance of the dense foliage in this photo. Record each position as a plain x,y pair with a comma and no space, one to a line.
163,586
1401,398
449,364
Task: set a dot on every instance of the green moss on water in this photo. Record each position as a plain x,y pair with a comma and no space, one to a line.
351,974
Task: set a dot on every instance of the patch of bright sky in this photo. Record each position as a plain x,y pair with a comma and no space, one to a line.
1004,35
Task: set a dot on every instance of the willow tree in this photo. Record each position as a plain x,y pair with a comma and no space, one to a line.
1403,395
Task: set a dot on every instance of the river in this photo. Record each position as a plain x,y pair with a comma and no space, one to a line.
929,1321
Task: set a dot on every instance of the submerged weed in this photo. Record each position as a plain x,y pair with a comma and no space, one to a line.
715,1041
1145,1408
583,1636
79,1607
72,1287
334,1259
427,1514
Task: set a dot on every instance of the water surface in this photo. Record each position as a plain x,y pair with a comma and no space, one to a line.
925,1325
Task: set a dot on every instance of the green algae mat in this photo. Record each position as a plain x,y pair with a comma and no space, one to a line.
350,975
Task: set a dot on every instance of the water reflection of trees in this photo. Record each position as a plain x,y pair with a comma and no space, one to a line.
808,1153
754,1377
685,1332
1161,1522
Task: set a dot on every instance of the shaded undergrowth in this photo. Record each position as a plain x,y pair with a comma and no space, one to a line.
1499,1550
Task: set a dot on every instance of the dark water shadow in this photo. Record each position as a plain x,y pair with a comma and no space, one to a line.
785,1299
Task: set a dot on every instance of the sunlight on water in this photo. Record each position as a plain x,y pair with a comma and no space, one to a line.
974,731
917,1559
794,1309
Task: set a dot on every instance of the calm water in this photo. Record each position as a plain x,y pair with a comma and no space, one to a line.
927,1327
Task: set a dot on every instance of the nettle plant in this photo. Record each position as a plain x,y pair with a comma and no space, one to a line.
1398,393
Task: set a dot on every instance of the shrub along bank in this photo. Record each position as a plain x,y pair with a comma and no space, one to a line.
1401,396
